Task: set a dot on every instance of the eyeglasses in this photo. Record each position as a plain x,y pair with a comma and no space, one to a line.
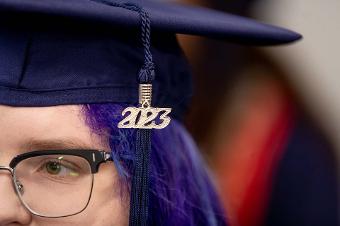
55,183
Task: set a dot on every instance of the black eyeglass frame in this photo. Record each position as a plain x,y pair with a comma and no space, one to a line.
93,157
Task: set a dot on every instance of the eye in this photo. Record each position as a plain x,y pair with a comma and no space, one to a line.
59,168
53,167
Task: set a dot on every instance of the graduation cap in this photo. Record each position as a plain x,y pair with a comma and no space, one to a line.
99,51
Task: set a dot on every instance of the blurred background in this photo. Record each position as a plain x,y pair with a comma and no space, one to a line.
267,119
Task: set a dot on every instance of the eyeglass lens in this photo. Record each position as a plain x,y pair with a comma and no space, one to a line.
54,185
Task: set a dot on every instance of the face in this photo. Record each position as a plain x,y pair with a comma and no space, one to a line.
50,128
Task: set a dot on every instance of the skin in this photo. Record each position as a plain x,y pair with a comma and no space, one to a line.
25,129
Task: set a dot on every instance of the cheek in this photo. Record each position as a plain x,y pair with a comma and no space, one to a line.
109,200
108,206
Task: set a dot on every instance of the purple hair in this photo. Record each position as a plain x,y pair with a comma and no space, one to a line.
181,192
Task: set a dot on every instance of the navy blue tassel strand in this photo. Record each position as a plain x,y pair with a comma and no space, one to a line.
139,198
140,184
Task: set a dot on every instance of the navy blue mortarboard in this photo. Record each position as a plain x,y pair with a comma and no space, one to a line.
85,48
55,52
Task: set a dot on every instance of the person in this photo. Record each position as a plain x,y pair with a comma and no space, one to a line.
79,145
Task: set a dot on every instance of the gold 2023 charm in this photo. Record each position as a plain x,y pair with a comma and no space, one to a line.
145,116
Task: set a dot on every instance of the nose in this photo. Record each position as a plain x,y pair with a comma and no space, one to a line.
12,211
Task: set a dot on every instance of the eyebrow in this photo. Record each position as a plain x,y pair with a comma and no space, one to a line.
54,144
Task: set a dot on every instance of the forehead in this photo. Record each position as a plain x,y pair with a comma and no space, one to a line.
39,119
51,127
